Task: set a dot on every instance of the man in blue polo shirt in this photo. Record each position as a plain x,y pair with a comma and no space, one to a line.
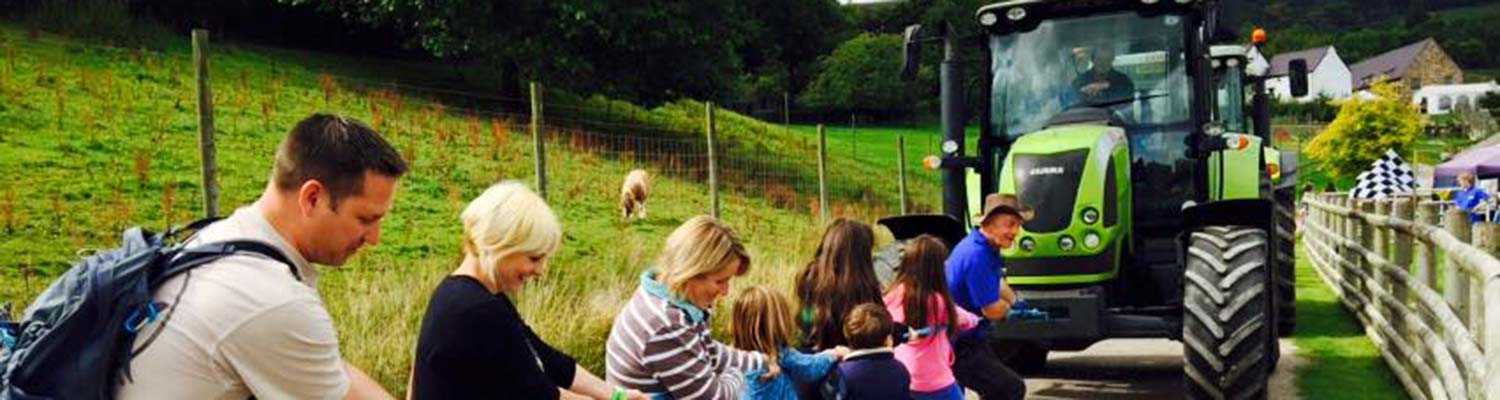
976,280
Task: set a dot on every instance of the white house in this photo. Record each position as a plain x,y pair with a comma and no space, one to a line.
1442,99
1327,75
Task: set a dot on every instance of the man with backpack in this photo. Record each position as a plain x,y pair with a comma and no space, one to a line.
245,325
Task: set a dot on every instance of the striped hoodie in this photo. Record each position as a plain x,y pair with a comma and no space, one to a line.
661,345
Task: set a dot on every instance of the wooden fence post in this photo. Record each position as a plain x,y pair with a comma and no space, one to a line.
1401,256
713,170
1366,243
1455,282
540,145
1426,262
1489,242
822,174
901,168
206,125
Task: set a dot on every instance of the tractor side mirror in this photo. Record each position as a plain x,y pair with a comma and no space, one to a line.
911,49
1298,72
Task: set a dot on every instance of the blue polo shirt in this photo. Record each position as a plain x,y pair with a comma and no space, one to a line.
974,270
1469,199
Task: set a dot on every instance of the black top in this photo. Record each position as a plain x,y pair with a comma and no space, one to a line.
1120,87
475,345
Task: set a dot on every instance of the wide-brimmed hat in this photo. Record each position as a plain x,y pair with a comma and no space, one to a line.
1005,203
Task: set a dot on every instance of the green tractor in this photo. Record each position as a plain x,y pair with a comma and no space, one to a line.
1157,202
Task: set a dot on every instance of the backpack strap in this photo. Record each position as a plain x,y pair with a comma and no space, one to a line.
196,256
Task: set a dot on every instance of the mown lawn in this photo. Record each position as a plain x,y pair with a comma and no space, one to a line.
1342,362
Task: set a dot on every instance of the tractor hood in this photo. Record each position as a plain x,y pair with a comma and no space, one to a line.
1046,170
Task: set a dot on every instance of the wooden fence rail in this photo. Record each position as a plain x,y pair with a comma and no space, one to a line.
1437,324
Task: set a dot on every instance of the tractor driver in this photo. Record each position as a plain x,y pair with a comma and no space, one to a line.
1102,83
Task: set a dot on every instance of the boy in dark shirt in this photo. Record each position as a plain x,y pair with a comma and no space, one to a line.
870,370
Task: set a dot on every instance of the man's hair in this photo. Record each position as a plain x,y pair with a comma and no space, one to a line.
868,326
335,151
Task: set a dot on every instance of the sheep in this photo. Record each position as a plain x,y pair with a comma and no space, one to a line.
633,194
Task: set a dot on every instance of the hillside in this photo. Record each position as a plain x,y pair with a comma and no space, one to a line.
94,139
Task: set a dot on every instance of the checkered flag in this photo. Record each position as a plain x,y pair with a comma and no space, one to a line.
1387,177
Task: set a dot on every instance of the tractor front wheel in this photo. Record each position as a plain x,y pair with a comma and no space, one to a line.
1227,326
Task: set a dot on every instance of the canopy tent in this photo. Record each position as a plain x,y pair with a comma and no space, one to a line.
1483,162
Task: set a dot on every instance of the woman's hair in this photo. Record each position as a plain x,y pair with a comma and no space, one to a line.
508,218
868,326
1466,179
840,277
703,245
762,321
922,275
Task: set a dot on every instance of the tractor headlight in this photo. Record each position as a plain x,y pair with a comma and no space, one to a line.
1149,1
1066,243
1028,244
1091,240
988,19
1015,13
1090,215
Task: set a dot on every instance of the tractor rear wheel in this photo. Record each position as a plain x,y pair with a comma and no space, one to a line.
1227,326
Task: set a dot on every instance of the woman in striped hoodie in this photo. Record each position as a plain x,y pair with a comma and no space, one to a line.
660,341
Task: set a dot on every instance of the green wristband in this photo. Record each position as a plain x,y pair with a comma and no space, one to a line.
619,394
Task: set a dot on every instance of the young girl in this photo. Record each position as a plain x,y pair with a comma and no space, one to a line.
919,299
763,323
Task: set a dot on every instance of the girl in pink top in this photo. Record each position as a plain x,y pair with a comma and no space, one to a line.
928,356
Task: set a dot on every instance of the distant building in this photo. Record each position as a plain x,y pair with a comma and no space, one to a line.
1442,99
1417,65
1327,75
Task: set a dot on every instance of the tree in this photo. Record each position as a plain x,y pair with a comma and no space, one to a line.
862,74
1365,129
648,53
1490,101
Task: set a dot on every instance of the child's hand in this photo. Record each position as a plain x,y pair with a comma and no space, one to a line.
636,395
772,371
838,353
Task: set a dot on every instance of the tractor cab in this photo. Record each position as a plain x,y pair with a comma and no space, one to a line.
1154,208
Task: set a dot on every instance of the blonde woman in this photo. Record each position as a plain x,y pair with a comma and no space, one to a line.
474,343
660,341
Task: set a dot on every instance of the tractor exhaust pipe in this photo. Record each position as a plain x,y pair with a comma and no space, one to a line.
951,86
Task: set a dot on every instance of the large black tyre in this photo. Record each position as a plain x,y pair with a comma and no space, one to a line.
1285,197
1286,264
1227,327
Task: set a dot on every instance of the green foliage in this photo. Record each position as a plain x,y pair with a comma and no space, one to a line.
1365,129
863,74
1321,109
1490,101
1368,30
650,53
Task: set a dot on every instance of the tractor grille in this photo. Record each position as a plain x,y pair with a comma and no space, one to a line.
1048,183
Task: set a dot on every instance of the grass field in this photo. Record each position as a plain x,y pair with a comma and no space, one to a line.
1342,362
95,139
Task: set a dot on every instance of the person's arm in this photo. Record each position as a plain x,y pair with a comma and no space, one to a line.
805,368
688,376
985,285
361,386
590,386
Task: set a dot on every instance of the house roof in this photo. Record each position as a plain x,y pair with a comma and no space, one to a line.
1392,64
1281,63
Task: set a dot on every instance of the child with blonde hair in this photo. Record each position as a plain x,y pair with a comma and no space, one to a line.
763,323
